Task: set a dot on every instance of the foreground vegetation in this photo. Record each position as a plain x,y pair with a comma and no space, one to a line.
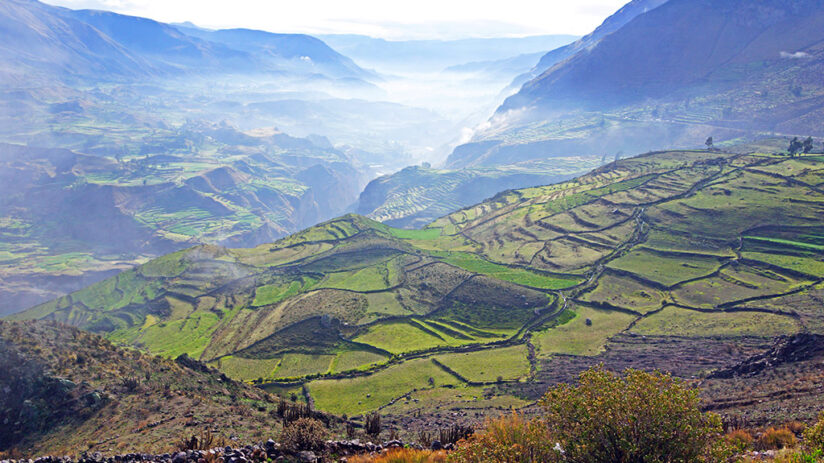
610,418
603,417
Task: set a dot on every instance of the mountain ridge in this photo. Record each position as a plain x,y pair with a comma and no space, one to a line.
731,70
126,48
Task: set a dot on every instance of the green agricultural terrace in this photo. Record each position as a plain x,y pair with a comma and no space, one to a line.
483,303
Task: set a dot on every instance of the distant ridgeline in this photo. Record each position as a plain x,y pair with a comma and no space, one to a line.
698,247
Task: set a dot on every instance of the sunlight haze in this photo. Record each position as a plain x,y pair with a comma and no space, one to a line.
399,20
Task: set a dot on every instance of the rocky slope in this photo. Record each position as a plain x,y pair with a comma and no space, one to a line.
67,391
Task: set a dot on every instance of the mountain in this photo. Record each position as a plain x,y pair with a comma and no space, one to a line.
415,196
69,219
616,21
729,70
713,42
66,391
39,42
58,44
502,67
299,49
685,261
435,55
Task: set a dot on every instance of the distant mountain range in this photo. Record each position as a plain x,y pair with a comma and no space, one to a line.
436,55
669,76
52,43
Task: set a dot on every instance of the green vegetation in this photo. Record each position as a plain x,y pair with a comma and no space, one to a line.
450,397
189,335
577,337
363,393
477,264
247,369
806,265
625,292
356,359
507,363
604,418
297,365
373,278
400,337
667,271
683,322
352,307
272,294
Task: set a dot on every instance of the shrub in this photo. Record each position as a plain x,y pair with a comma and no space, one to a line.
776,439
372,424
814,435
739,439
455,433
293,411
130,384
203,441
508,439
796,427
402,456
800,457
304,434
649,417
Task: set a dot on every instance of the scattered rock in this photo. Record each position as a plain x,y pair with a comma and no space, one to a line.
307,457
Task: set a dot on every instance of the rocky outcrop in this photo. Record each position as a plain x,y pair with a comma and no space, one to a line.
785,349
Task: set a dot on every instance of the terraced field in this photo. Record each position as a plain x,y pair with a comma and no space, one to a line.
487,305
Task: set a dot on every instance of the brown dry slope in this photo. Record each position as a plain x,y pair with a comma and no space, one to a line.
67,391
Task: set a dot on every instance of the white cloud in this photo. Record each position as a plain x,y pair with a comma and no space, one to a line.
394,19
796,55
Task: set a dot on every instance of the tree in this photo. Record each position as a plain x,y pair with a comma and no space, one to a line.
637,417
709,143
807,146
795,146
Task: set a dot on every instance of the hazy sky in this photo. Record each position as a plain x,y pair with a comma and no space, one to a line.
391,19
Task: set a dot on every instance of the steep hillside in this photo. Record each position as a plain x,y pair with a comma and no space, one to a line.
70,219
686,261
40,43
415,196
52,44
616,21
670,77
66,391
714,40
